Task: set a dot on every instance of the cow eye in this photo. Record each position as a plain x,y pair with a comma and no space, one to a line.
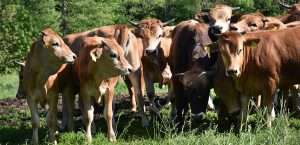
239,52
159,35
113,55
253,25
55,44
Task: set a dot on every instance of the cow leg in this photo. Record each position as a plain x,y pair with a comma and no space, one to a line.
295,98
35,119
51,117
108,114
131,93
258,101
135,79
244,112
88,114
69,96
65,111
171,96
151,94
181,104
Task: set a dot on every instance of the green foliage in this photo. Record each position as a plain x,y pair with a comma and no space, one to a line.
21,21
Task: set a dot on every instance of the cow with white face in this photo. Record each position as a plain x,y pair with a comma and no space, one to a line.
219,18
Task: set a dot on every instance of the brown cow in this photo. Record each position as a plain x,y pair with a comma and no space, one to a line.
129,43
272,56
293,13
43,79
155,56
99,60
189,37
256,22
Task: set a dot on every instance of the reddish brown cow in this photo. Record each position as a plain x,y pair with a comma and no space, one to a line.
44,77
293,13
256,22
270,54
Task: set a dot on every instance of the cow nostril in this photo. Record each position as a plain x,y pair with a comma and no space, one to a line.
231,72
220,28
234,28
74,56
130,70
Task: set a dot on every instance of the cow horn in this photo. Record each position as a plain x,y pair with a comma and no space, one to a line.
135,24
168,22
285,5
20,63
235,8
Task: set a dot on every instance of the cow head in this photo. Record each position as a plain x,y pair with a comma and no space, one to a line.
249,23
55,48
219,18
232,46
21,93
107,56
151,32
294,10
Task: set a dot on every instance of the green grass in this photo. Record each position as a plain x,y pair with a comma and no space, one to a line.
8,85
15,128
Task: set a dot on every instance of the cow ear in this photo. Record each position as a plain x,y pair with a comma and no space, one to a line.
252,42
213,47
273,26
95,53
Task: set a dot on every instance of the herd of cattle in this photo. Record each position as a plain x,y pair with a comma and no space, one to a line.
241,56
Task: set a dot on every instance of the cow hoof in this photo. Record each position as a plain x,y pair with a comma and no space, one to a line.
133,110
145,122
88,138
63,127
154,111
112,139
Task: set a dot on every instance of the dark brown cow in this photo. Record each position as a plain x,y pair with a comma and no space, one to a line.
189,37
260,63
155,56
99,60
293,13
44,77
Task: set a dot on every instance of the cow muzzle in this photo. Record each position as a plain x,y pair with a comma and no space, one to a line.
150,52
70,59
127,70
232,72
217,30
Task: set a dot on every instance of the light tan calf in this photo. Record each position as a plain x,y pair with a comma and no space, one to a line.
99,60
42,75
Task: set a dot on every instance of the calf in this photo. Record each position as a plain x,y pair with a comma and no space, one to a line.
155,56
99,60
44,74
270,54
130,45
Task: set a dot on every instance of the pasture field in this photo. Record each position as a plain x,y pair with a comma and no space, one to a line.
15,125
